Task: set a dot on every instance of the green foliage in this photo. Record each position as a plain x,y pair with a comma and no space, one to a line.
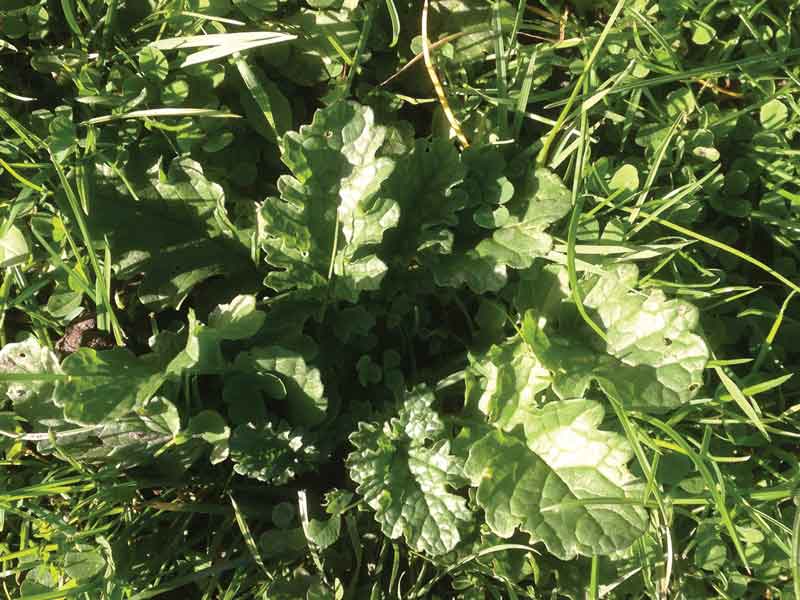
268,332
540,483
333,193
103,385
303,390
182,237
654,359
404,469
271,454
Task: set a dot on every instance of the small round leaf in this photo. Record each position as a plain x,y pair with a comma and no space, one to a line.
702,33
625,178
773,114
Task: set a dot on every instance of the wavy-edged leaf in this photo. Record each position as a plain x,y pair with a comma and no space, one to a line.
269,453
330,216
544,483
649,330
332,200
406,481
424,183
521,238
504,383
653,359
518,231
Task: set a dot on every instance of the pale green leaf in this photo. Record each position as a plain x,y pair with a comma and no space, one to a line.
325,532
543,200
480,273
63,137
406,481
31,399
505,383
323,231
544,484
773,114
652,360
519,238
710,553
161,415
625,178
238,319
680,101
651,333
14,248
153,63
702,33
84,565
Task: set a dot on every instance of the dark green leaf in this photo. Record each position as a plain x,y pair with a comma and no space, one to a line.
305,395
271,454
174,233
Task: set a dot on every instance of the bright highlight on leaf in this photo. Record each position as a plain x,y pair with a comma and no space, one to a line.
28,357
653,359
545,481
403,470
330,218
220,45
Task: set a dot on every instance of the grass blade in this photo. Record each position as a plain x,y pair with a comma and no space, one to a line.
248,537
151,113
722,246
72,19
751,410
716,489
541,159
651,176
222,51
220,39
395,19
